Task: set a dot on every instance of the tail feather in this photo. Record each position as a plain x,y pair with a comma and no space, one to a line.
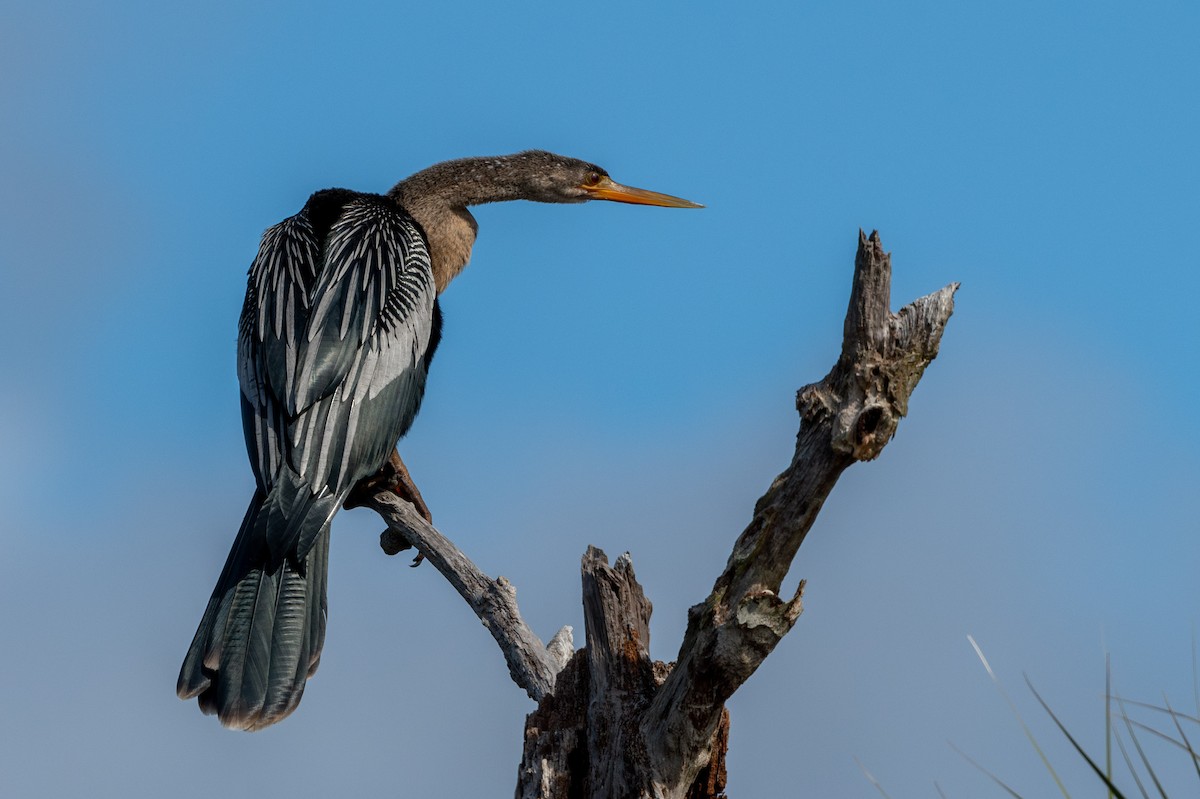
293,516
299,632
316,621
205,653
261,635
237,679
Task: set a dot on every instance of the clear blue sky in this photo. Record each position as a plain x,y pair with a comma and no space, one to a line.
610,375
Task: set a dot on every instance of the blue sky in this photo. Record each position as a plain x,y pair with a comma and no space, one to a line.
611,375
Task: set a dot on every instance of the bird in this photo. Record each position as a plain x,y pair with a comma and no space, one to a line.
339,326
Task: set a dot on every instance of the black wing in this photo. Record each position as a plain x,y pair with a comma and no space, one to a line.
274,317
361,362
333,346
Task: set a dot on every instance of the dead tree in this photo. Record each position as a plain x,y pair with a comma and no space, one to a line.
612,724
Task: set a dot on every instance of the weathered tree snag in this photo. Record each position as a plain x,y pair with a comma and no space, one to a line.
616,618
613,723
590,744
554,758
850,415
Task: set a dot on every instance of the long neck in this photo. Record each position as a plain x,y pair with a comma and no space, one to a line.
438,197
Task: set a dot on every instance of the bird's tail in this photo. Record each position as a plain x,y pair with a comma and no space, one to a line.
261,635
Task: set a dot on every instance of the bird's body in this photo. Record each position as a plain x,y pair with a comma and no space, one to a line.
339,325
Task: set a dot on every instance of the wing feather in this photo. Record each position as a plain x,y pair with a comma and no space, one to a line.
371,251
363,349
276,309
332,356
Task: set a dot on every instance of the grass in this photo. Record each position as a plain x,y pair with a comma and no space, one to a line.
1143,767
1172,727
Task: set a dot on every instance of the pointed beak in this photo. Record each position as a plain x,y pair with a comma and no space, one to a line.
608,189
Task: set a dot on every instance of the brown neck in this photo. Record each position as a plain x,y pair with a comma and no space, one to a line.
450,231
438,197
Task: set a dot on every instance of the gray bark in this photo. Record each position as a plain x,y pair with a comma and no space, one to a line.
848,416
531,664
612,723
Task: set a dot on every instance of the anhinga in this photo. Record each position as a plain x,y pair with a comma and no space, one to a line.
339,325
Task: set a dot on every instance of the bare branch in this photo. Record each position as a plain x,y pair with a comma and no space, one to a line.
848,416
612,723
532,665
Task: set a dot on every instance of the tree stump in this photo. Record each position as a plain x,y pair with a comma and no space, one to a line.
611,723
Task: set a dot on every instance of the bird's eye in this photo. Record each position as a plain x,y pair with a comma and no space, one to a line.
592,179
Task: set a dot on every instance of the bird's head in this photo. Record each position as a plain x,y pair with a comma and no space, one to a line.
438,197
558,179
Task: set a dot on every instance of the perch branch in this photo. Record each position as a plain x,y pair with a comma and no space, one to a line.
532,664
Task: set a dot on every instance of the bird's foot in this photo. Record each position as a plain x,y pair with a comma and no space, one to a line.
402,485
392,476
393,543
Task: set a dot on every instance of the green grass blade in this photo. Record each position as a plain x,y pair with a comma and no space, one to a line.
1160,734
871,777
1138,745
1183,735
1108,732
1129,765
993,777
1021,721
1111,695
1159,708
1099,773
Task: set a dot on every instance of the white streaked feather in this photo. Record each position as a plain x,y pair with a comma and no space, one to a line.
375,271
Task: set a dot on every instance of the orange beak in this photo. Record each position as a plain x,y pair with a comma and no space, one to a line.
608,189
